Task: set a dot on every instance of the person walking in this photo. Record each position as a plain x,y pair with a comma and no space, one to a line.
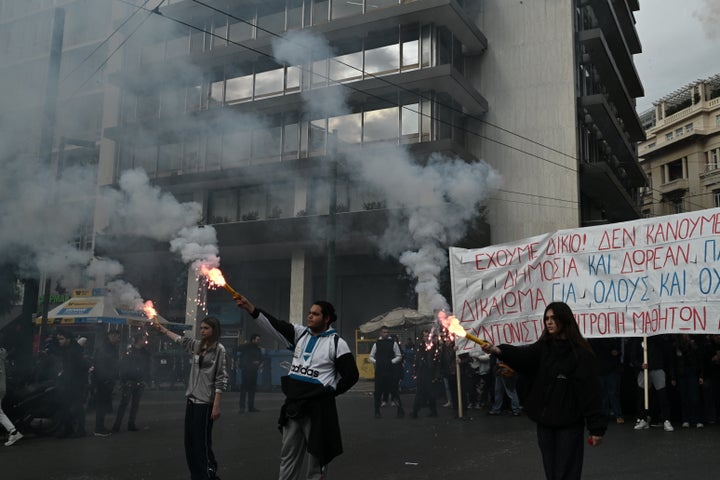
134,366
208,380
384,355
250,361
105,374
13,434
323,367
564,393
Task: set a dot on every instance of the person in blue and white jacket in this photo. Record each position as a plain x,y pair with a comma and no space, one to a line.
323,367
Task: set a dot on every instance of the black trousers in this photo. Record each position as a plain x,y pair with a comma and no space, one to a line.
131,394
386,384
562,451
248,388
198,441
103,402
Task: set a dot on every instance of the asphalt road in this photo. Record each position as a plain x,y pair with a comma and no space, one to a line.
247,445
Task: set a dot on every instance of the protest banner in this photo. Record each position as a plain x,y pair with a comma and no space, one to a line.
642,277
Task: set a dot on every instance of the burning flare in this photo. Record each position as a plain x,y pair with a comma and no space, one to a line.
150,311
215,277
453,325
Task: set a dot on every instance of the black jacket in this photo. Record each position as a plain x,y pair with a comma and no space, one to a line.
135,365
563,387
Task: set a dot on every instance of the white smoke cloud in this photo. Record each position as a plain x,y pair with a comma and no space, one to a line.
437,200
709,18
433,202
123,294
197,245
41,215
141,209
301,48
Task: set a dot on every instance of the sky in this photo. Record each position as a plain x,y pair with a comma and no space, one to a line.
680,42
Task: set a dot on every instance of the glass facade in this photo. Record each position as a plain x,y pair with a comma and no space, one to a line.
286,138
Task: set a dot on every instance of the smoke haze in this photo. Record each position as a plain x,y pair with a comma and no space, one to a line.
40,215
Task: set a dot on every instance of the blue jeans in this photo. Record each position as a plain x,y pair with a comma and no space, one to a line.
611,388
504,385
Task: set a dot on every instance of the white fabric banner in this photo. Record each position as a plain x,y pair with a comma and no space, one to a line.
643,277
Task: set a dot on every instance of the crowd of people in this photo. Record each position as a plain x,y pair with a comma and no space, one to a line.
69,380
564,382
683,375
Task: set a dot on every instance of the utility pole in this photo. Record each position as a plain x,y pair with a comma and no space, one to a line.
47,134
330,285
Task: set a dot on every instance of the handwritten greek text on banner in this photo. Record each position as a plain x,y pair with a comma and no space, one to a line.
644,277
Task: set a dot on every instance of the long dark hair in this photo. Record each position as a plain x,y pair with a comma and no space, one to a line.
213,323
567,325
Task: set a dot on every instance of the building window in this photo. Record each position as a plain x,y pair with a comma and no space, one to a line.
381,125
169,158
669,136
717,120
223,206
236,149
716,198
678,205
689,128
343,8
711,159
239,88
146,158
679,132
675,170
253,203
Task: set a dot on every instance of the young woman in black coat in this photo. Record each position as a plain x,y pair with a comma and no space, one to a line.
562,391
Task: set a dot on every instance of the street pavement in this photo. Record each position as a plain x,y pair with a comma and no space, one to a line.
246,446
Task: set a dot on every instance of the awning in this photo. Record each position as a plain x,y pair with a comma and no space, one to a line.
95,307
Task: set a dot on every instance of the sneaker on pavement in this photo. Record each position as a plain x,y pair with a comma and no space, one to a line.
103,432
13,437
700,425
667,426
620,420
685,425
641,424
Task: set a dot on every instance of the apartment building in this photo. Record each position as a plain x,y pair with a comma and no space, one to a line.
681,154
198,97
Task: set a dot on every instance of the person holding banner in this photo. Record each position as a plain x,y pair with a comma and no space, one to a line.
563,393
659,360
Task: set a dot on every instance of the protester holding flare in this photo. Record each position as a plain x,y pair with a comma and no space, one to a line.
564,393
208,379
323,367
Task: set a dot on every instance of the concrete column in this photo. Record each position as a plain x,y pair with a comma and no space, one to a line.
195,301
110,118
300,285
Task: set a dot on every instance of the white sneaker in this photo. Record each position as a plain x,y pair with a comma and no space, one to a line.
700,425
641,424
667,426
448,404
14,437
685,425
383,404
